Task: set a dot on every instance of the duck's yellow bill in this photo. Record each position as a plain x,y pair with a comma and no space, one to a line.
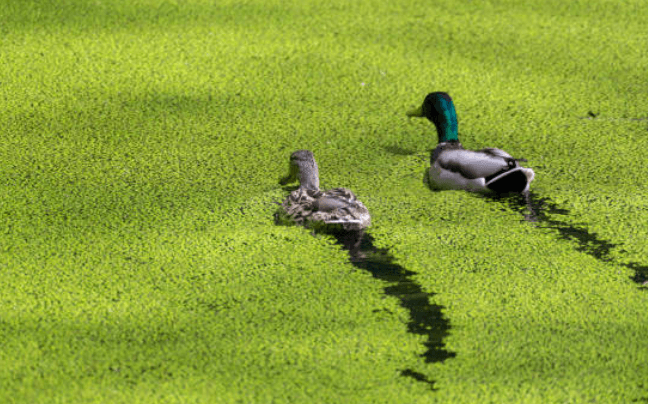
415,112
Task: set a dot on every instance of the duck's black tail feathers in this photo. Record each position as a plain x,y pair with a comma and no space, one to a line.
514,180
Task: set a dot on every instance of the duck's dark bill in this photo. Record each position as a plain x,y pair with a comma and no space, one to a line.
514,180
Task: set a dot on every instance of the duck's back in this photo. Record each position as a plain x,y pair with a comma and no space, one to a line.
490,169
335,206
472,164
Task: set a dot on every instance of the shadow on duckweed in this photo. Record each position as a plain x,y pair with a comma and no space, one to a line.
399,151
426,319
537,209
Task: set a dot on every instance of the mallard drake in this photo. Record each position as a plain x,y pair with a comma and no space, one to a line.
309,206
453,167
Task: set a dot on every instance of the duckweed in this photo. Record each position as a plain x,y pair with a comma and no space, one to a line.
142,142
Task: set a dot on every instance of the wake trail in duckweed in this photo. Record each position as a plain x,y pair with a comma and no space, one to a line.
536,209
426,319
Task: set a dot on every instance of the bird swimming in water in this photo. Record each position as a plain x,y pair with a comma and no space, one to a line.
310,206
453,167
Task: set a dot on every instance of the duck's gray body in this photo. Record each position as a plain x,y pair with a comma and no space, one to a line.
453,167
309,206
486,170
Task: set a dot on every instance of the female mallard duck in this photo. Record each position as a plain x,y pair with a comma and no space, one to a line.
453,167
308,205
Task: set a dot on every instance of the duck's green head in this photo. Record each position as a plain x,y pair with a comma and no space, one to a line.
438,108
302,167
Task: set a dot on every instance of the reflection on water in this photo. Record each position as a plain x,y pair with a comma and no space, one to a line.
426,319
537,210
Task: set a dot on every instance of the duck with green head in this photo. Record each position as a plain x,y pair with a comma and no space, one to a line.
453,167
310,206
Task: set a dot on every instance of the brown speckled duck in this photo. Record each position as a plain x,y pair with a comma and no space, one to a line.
309,206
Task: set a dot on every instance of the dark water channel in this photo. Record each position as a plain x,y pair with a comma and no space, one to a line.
426,319
543,212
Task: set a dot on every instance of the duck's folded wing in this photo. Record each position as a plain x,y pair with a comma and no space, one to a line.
329,204
340,206
495,152
476,164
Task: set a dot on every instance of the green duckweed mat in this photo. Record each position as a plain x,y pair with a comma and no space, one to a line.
141,144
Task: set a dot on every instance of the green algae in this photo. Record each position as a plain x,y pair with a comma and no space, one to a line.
142,143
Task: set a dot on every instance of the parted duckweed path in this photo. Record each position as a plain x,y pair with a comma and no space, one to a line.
142,141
